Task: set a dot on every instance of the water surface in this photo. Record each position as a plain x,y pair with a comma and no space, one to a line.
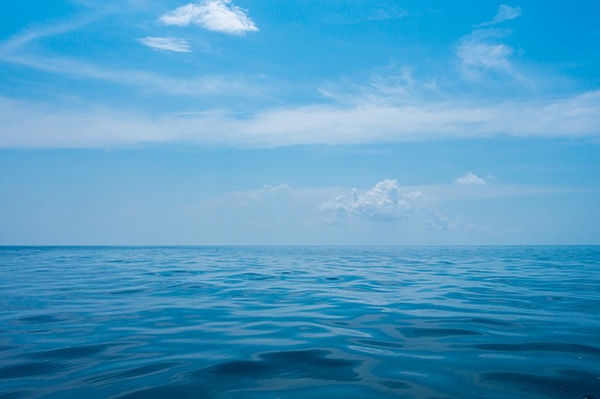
300,322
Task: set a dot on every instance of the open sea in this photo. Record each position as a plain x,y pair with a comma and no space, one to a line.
300,322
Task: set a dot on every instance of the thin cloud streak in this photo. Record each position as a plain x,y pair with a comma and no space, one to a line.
27,124
504,13
15,51
149,81
35,33
395,109
174,44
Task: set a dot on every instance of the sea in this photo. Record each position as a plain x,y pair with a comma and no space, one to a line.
300,322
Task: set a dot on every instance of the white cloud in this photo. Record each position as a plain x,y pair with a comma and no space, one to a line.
505,13
469,179
265,194
215,15
384,202
394,108
15,51
175,44
30,35
265,208
481,53
437,221
31,124
382,14
368,12
320,214
280,209
206,85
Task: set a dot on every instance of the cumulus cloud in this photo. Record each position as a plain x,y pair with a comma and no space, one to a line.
469,179
266,192
384,202
166,43
505,13
215,15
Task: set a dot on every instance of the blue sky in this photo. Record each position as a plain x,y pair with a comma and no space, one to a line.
299,122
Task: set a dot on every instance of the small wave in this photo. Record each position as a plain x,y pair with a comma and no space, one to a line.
541,347
565,383
30,369
435,332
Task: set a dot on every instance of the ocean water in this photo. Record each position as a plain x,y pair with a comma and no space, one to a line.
300,322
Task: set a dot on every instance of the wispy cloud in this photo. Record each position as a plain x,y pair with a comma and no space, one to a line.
485,57
505,13
482,52
175,44
263,195
32,34
469,179
276,208
215,15
20,50
206,85
393,108
576,116
485,54
367,13
382,14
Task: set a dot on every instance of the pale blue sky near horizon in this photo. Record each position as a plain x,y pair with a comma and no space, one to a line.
143,122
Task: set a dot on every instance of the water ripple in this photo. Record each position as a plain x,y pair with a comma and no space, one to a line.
297,322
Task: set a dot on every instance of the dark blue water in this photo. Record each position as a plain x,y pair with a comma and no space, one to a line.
300,322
